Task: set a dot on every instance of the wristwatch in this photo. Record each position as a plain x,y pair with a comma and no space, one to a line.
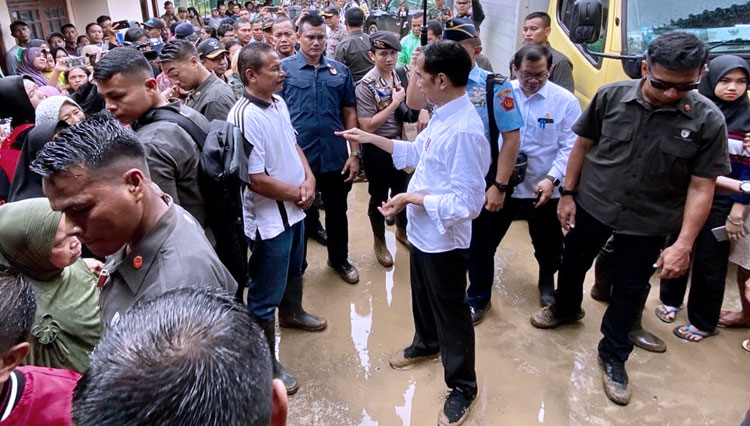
555,181
564,192
357,154
502,187
745,187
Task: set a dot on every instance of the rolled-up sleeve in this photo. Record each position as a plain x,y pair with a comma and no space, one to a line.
468,161
405,153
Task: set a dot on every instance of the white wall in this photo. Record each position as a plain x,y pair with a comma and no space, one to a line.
5,21
501,30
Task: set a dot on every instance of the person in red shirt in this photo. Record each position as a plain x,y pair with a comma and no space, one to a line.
28,395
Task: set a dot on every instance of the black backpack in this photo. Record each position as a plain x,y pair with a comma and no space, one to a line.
222,171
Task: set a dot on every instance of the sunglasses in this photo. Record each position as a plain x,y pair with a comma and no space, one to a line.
665,85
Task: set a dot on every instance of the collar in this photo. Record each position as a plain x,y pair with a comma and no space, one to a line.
541,92
147,250
302,61
137,124
211,79
453,107
475,74
260,103
356,32
635,93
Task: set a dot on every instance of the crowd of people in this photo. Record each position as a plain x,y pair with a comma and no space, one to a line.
148,159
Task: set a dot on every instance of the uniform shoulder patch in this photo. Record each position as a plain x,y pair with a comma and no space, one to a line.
499,78
368,80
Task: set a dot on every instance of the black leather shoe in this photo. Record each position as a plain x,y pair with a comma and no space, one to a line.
615,380
320,235
347,272
477,314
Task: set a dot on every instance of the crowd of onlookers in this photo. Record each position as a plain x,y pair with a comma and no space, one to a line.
142,162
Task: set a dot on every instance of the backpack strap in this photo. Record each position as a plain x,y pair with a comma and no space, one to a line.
494,131
164,114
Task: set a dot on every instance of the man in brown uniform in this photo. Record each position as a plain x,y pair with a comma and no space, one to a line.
381,110
96,174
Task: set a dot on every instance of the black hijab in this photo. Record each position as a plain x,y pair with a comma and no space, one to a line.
14,102
737,112
26,183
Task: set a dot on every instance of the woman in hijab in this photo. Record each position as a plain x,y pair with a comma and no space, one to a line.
33,63
725,83
59,108
34,241
27,183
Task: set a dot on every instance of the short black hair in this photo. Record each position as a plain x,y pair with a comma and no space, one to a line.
167,3
678,51
133,34
192,356
354,17
231,43
417,15
17,309
312,20
210,30
178,50
449,58
100,20
91,24
223,29
532,53
281,20
126,61
54,51
251,57
17,24
94,144
435,26
241,21
546,20
68,25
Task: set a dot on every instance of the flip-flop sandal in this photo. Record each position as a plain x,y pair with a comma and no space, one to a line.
663,310
691,334
746,345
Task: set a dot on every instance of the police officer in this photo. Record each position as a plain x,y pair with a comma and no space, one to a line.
381,110
353,49
320,95
501,127
646,160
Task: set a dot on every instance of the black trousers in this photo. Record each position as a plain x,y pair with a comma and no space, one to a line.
633,259
382,177
334,191
488,230
442,321
709,272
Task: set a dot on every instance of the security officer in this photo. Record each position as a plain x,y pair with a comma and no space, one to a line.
502,121
646,160
320,95
153,245
381,110
353,49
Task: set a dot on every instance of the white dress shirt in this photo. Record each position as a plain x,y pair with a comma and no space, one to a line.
546,136
451,157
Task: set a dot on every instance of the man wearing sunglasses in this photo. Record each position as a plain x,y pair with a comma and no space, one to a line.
645,163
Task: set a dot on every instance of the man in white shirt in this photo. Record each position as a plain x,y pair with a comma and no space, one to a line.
451,156
281,187
549,112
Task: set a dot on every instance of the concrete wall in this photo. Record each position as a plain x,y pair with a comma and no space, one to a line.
501,29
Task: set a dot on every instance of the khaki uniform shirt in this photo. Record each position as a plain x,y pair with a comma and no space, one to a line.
333,40
172,158
373,94
353,51
213,98
562,70
635,177
174,254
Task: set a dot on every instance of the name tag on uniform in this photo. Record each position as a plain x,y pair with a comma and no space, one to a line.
544,121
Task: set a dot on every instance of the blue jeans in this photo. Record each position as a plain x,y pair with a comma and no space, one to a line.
274,263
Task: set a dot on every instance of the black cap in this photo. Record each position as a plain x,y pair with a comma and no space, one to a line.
385,40
459,29
331,11
210,48
154,23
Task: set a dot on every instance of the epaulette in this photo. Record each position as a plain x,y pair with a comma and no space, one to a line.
368,80
499,78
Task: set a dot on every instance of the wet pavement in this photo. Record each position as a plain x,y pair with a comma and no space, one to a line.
526,376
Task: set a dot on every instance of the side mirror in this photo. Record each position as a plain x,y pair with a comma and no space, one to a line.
632,67
586,22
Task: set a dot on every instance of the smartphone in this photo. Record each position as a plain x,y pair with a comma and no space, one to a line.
272,9
720,233
74,61
538,197
120,24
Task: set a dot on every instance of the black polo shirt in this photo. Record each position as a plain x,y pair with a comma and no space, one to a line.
636,176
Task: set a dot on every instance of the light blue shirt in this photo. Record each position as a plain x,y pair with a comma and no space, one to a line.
451,157
546,136
506,113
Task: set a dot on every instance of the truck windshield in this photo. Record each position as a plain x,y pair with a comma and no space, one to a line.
725,24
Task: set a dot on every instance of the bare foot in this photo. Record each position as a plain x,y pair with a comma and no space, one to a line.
733,319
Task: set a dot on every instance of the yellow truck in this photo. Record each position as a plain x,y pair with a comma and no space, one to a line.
606,39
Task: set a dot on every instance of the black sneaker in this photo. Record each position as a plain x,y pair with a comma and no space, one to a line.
456,408
615,380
